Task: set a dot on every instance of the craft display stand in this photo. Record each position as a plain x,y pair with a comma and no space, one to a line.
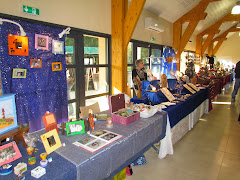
17,135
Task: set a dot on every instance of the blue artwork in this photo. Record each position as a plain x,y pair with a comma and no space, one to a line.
8,117
168,52
43,89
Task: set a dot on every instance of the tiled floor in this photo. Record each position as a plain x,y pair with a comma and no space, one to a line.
211,151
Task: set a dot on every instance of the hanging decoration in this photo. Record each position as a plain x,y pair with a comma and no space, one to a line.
41,42
17,45
57,47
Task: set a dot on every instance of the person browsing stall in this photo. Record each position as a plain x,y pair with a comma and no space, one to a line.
237,81
139,73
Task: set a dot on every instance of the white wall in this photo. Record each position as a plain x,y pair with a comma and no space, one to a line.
229,49
94,15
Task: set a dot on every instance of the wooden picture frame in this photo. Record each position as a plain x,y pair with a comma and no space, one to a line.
57,47
75,127
35,63
50,122
19,73
56,66
8,120
51,141
41,42
9,152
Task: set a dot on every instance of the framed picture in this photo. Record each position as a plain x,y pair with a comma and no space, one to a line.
35,63
41,42
8,120
9,152
51,141
17,45
57,47
50,122
19,73
56,66
75,127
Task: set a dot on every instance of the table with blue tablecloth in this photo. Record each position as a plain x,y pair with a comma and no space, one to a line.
73,162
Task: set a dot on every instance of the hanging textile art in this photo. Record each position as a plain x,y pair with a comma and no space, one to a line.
43,89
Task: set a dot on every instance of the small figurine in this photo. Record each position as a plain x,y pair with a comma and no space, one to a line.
109,122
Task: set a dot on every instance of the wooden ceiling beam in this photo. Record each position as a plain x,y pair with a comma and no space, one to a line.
207,43
216,48
220,39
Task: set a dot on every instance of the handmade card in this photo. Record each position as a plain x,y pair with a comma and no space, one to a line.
8,121
193,87
9,152
75,127
41,42
51,141
17,45
168,94
189,89
97,140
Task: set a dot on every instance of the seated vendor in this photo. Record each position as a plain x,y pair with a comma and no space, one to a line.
139,73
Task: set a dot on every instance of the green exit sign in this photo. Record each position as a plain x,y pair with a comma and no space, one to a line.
30,10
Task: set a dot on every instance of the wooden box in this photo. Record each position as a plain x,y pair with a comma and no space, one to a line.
117,102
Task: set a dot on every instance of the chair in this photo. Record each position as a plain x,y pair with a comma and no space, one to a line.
85,109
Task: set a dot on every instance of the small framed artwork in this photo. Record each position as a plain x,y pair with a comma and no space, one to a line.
35,63
51,141
56,66
8,120
41,42
50,122
19,73
17,45
75,127
57,47
9,152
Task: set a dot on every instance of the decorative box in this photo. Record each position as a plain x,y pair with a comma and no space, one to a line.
117,102
20,168
38,172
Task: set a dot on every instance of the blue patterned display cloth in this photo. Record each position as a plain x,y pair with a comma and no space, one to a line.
43,89
55,170
182,109
111,159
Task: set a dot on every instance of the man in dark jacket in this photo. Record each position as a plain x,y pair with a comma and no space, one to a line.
237,81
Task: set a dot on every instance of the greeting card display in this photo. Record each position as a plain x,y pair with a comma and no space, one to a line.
50,122
51,141
57,47
97,140
117,103
168,94
41,42
75,127
9,152
195,88
189,89
17,45
8,119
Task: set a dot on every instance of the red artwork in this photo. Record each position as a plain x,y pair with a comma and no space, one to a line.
17,45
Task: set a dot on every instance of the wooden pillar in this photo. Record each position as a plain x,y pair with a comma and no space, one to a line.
124,21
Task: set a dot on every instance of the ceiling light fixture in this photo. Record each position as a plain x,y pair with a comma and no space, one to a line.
22,32
236,8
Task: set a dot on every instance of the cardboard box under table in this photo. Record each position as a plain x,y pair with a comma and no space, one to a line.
117,102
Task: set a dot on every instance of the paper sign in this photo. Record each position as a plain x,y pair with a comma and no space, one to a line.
193,87
168,94
190,89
